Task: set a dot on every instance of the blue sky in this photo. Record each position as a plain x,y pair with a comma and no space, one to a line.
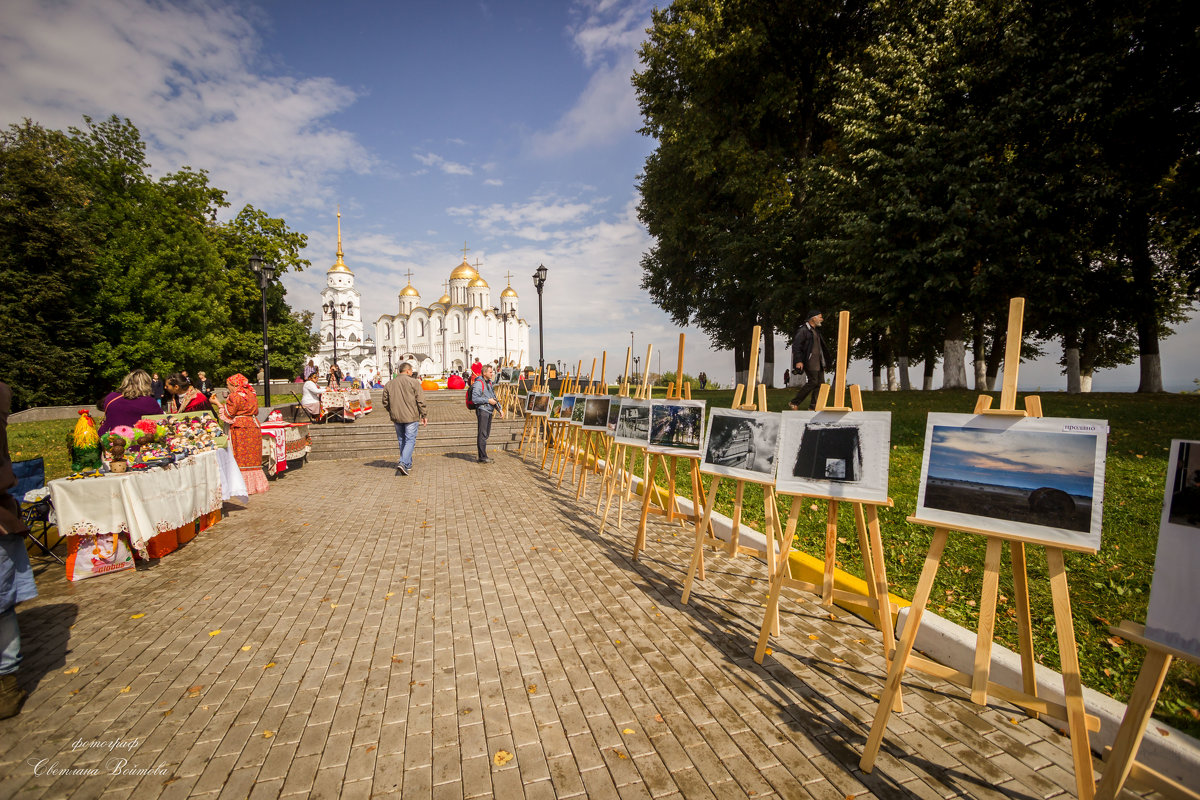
1023,459
511,127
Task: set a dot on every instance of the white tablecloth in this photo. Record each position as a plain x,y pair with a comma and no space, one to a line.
140,503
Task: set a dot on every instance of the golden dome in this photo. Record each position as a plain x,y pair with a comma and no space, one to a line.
478,283
509,292
444,300
409,291
464,271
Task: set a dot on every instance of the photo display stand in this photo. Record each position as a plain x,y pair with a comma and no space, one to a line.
611,448
571,444
651,463
627,457
1121,763
705,535
592,439
1072,710
555,427
533,431
866,522
561,430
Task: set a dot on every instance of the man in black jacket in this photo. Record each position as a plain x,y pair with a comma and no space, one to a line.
810,356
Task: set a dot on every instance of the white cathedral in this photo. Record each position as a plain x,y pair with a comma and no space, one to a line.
341,322
451,333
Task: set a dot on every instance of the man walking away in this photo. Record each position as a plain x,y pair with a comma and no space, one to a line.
810,357
485,403
404,400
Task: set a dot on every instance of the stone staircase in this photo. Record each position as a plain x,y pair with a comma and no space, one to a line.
451,429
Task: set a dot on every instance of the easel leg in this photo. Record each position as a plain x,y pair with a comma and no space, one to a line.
609,471
702,528
1133,726
896,674
772,535
987,622
736,530
831,521
1024,624
883,606
648,490
1085,782
771,617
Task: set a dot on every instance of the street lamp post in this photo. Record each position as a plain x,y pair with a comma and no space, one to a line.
539,280
332,310
504,317
265,273
636,361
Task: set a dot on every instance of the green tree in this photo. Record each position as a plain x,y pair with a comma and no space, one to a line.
47,273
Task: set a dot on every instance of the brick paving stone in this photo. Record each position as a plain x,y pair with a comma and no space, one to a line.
526,632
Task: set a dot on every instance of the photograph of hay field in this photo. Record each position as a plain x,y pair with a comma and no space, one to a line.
1030,472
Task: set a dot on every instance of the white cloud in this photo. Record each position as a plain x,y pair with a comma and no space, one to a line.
448,167
539,219
493,182
187,76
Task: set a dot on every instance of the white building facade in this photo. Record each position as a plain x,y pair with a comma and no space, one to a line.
342,327
451,333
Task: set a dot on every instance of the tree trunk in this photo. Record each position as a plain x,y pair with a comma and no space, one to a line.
954,355
890,361
930,362
902,347
1144,306
1089,351
995,356
876,383
741,361
977,353
902,365
1071,356
768,372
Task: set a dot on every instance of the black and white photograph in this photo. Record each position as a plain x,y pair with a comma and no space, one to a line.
614,409
540,405
676,427
742,444
633,423
1036,479
1175,593
595,413
577,409
841,455
563,410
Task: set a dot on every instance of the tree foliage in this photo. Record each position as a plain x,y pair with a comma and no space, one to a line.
111,269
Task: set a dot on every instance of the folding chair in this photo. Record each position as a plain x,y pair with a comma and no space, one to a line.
31,474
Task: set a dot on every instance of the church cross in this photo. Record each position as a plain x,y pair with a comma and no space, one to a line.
478,264
465,249
409,275
508,276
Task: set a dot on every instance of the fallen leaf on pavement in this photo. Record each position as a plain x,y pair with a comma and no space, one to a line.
137,616
214,633
502,757
70,671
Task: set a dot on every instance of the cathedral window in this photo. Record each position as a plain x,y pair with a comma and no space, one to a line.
329,337
457,325
477,325
420,328
353,338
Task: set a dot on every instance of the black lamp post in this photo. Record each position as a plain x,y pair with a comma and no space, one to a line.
539,280
265,273
636,361
332,310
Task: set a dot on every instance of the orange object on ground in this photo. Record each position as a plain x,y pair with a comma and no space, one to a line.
429,385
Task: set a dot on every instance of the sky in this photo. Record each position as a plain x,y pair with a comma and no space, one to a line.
1022,459
508,128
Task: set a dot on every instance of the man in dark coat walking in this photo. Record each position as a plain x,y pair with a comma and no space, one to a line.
810,357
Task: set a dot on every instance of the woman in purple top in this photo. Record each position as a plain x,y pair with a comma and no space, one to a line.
129,403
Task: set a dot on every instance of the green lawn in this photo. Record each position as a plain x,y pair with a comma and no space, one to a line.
1105,588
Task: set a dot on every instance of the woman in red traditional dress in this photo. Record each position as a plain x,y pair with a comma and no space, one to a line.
241,412
184,396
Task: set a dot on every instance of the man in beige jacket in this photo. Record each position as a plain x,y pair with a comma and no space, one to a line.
404,400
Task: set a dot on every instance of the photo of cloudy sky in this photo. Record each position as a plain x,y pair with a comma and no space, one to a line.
1014,458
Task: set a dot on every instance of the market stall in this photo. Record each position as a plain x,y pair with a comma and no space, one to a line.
353,403
285,445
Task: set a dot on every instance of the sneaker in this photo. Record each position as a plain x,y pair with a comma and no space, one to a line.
403,471
485,461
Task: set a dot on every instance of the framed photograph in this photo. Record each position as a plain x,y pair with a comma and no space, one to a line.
741,444
595,412
540,406
578,408
676,427
614,409
1039,480
529,402
563,409
1175,593
633,423
842,455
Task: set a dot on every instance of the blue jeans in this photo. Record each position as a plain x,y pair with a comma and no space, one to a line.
10,642
406,434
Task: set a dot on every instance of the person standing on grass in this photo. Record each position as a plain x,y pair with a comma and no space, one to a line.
809,357
404,400
486,405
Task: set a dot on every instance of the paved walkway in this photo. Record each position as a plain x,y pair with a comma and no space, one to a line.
357,633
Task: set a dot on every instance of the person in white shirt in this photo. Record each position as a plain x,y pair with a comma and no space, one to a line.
310,400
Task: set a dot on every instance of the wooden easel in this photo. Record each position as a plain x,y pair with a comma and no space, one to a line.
866,522
1121,762
593,439
571,440
626,455
611,448
555,427
562,427
705,536
1078,721
532,430
651,463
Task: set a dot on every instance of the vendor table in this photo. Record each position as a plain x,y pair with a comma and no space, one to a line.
157,509
353,402
283,442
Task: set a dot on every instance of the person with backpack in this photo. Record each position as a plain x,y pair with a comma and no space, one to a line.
404,400
483,400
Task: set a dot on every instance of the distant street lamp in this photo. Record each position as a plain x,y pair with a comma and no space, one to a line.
504,316
265,274
636,360
539,280
332,310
